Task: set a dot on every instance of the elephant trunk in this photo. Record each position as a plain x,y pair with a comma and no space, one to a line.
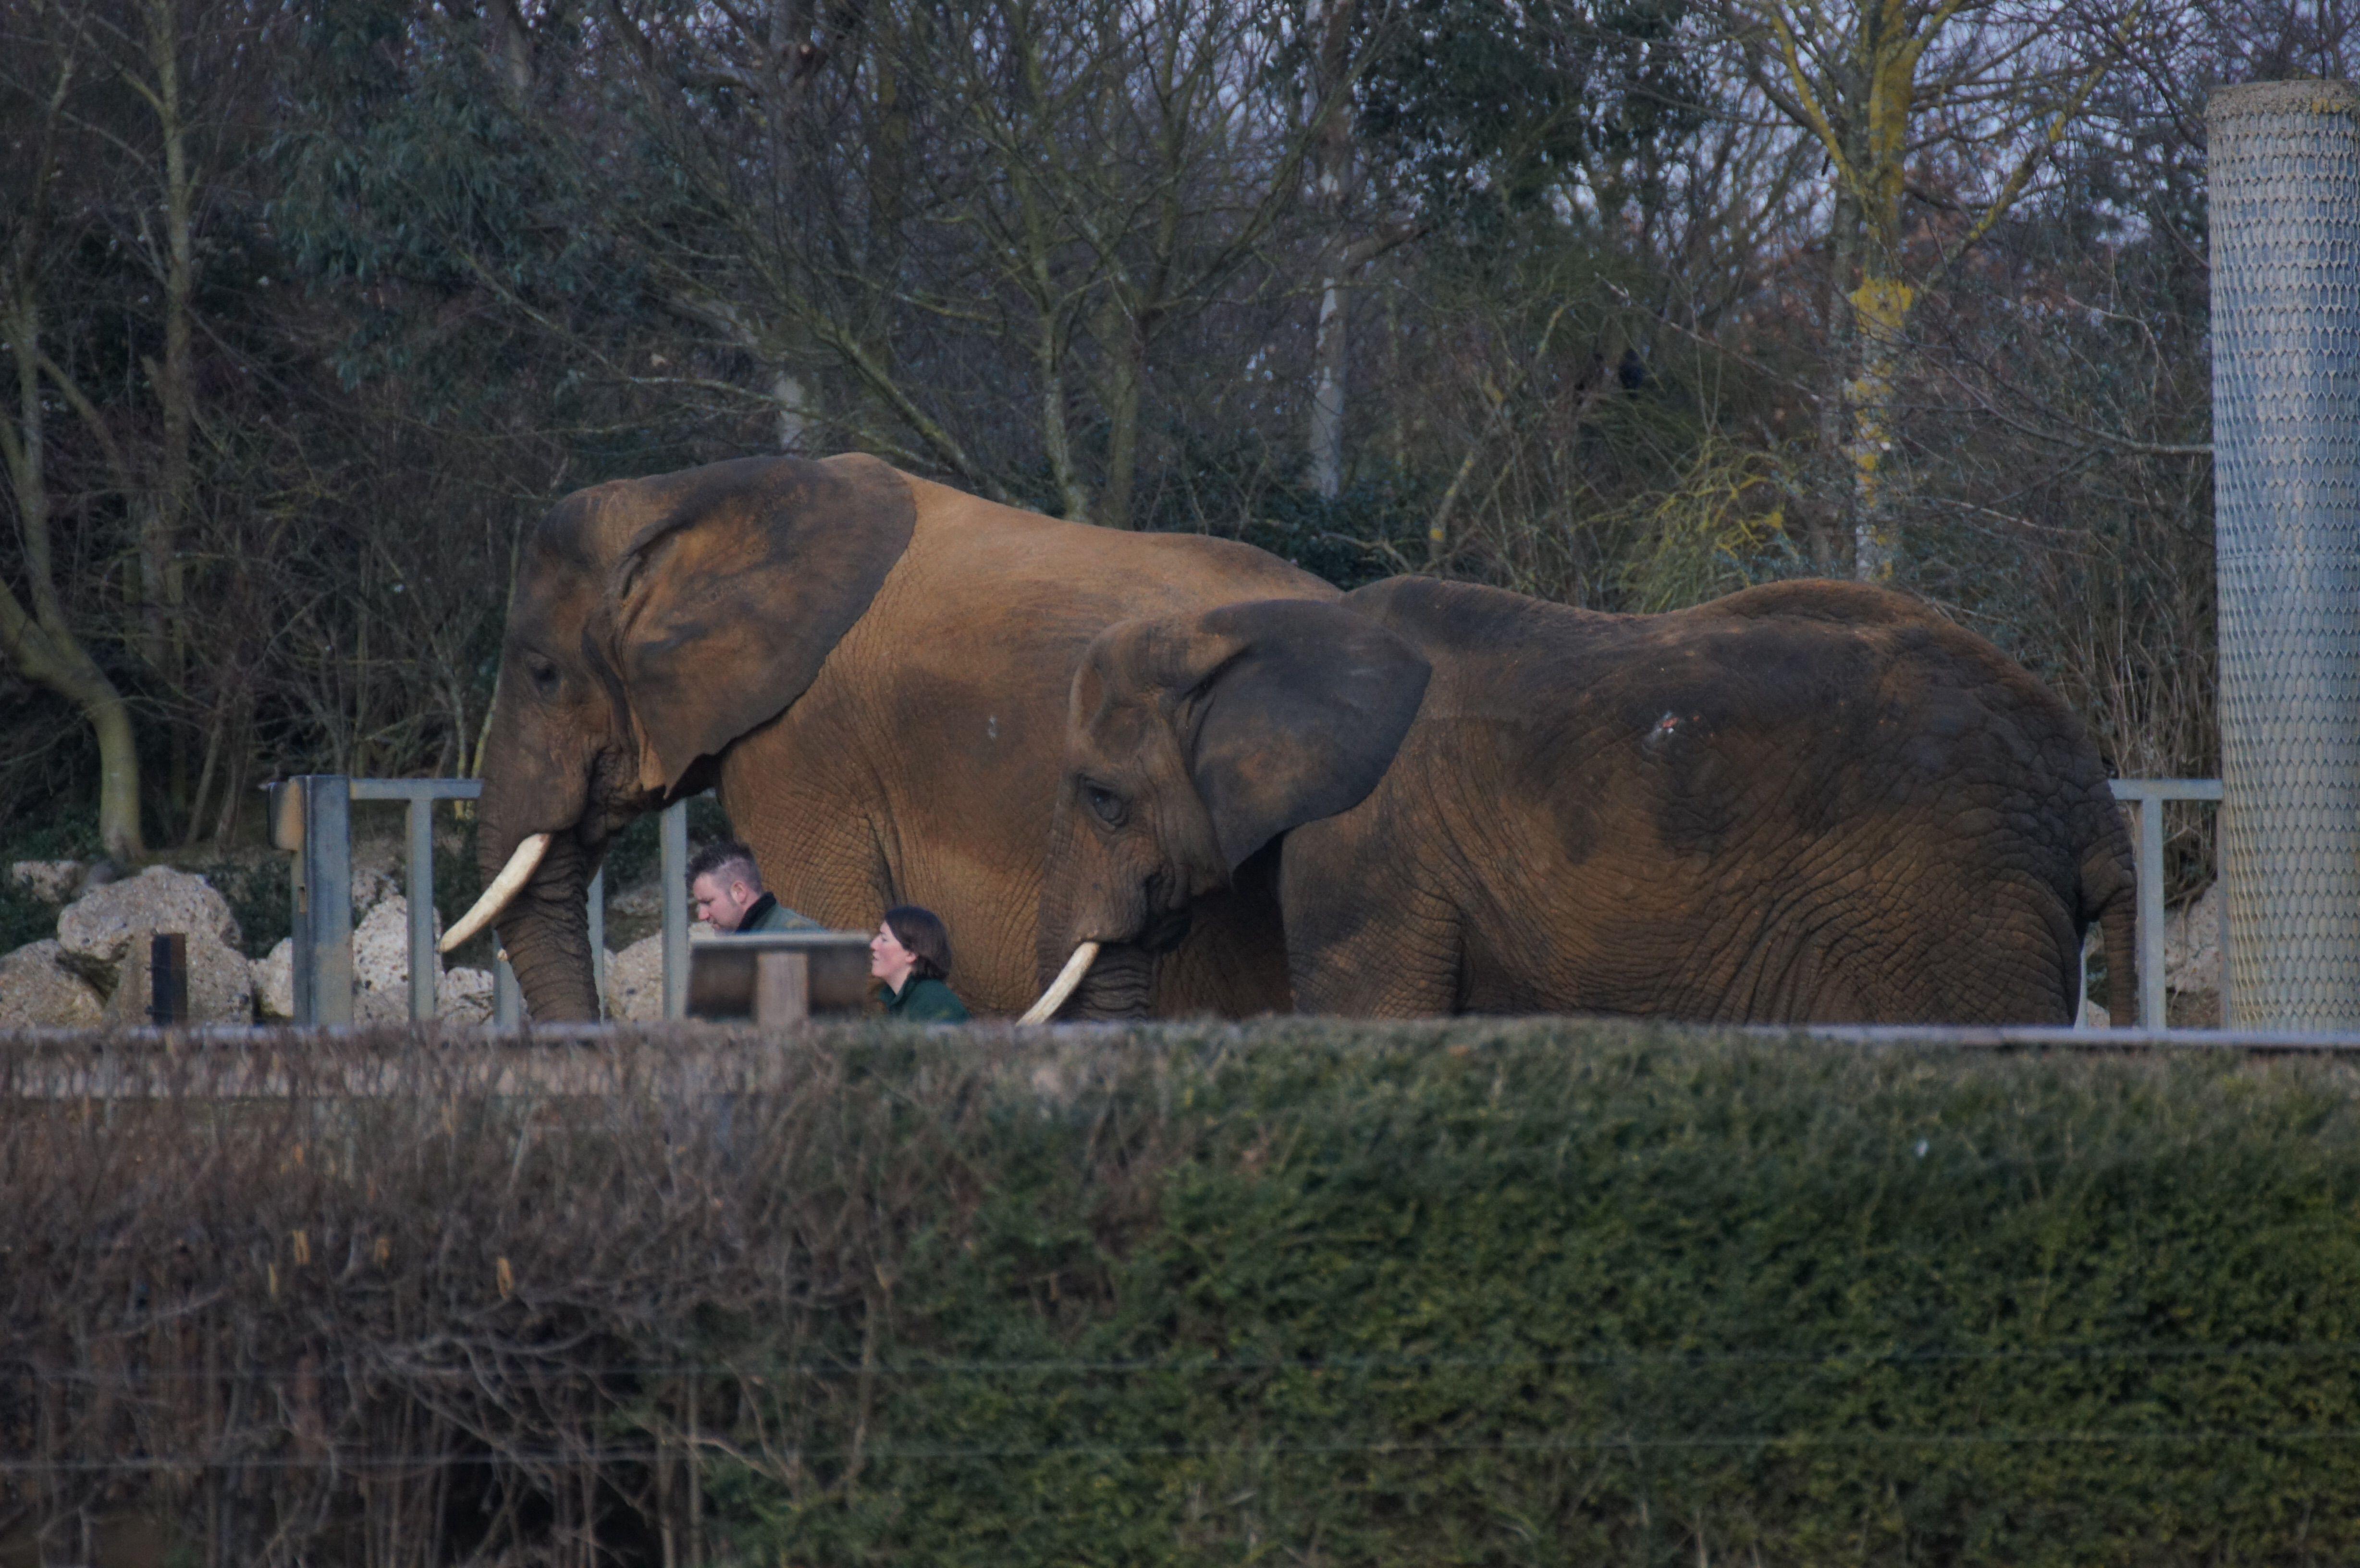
545,930
1120,984
1085,901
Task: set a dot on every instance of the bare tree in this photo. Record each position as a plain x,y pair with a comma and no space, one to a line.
1946,107
938,210
44,75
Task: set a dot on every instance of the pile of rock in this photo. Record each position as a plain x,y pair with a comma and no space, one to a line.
380,970
95,969
634,988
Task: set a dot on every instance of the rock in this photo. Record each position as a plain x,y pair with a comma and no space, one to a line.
2093,1016
221,985
2191,944
103,926
274,982
38,992
380,970
381,964
465,996
50,881
2192,1009
635,982
635,913
370,888
635,978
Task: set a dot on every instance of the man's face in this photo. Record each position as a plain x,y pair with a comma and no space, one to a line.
723,898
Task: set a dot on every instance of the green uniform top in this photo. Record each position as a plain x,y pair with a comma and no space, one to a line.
927,1001
767,914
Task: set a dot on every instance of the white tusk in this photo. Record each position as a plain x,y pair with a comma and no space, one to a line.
513,876
1062,988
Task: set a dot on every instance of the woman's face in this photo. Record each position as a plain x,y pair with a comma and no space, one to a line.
888,959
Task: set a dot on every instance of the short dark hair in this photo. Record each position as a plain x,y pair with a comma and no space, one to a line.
716,859
920,931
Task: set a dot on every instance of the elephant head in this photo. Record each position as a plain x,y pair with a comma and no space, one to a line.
1193,743
654,622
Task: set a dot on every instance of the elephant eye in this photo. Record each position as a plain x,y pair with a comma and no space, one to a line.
544,676
1105,802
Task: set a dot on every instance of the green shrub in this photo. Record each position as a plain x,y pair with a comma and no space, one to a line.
1478,1292
1572,1295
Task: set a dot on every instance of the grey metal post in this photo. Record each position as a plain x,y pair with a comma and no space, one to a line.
2284,159
2154,1013
419,871
323,912
672,866
507,997
598,939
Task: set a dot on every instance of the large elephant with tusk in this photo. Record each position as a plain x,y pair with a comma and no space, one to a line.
873,671
1809,801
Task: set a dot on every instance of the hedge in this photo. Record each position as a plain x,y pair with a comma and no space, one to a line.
1480,1293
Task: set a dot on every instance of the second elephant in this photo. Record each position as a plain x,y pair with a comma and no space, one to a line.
1806,802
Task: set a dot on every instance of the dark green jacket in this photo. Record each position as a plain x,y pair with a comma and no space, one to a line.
925,1001
770,914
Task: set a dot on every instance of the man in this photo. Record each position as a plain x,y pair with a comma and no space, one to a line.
727,890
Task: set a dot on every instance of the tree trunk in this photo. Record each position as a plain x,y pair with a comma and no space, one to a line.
1125,343
164,620
1830,532
1325,444
1331,173
54,659
40,642
1071,494
514,44
1881,310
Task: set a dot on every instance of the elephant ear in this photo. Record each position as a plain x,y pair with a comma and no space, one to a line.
727,601
1298,717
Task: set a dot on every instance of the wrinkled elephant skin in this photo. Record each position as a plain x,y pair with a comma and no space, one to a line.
1810,802
872,669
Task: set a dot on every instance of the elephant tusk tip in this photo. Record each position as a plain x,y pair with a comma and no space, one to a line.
503,888
1068,980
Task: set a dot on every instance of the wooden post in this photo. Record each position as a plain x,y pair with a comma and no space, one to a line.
781,988
167,979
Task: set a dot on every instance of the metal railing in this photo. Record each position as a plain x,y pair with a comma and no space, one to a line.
311,818
2146,797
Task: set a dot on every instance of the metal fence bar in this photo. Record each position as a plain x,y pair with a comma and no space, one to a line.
508,996
2149,795
419,882
672,866
598,939
2154,1007
418,871
323,902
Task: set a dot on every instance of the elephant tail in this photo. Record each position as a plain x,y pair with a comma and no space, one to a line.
2110,900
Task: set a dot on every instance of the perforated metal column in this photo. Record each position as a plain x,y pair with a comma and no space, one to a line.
2284,172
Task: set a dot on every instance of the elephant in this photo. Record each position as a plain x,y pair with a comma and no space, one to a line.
1808,801
871,667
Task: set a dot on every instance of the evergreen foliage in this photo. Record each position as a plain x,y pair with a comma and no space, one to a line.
1483,1292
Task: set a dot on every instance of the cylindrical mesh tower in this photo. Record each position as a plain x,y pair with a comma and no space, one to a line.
2285,173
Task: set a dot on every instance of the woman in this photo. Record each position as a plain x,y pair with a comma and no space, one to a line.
912,953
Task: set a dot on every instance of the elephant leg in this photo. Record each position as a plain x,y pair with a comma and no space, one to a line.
1362,939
